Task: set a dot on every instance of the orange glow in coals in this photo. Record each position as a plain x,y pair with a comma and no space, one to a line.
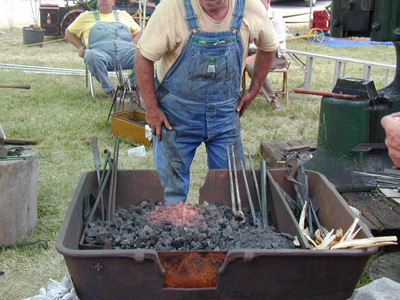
179,214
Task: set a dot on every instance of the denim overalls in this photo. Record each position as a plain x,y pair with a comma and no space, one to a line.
109,41
199,96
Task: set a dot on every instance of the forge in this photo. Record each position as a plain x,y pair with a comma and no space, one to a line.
350,137
300,273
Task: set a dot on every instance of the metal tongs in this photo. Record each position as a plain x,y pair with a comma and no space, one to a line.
237,213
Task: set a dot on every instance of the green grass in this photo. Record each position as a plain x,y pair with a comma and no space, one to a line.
59,112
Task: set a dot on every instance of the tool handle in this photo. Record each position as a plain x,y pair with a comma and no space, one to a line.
27,87
328,94
19,142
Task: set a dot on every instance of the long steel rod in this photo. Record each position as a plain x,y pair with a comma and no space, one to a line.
233,202
114,190
327,94
253,171
246,184
236,181
264,208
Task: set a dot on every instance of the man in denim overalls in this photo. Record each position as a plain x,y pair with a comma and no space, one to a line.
196,97
110,38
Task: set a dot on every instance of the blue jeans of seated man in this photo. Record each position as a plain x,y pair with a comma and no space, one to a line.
215,124
101,60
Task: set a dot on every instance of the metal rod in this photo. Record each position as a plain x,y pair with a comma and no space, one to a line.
97,165
375,175
316,219
46,244
27,87
253,213
264,208
233,202
2,134
96,203
236,181
236,213
253,171
114,190
328,94
109,211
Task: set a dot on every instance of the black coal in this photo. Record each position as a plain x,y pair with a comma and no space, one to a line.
151,225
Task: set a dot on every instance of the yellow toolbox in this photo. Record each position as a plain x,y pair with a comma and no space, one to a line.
130,124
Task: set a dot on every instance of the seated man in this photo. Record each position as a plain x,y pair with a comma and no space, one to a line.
391,124
110,37
280,59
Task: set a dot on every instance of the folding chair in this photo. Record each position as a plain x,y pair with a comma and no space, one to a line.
285,90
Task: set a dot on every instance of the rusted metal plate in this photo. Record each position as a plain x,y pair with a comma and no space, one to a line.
191,269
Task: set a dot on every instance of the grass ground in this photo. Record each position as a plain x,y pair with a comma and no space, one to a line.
59,112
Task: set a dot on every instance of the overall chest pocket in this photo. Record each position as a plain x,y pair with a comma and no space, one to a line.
209,64
104,31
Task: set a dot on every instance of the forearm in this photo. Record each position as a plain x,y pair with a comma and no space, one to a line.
262,65
136,37
145,77
155,117
76,41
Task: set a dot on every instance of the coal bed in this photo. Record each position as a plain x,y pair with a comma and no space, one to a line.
114,272
152,225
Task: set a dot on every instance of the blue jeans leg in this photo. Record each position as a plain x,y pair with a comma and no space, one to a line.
98,63
217,125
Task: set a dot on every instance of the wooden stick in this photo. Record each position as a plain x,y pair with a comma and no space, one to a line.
367,242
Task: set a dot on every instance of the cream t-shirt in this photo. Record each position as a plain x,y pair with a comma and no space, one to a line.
167,32
85,21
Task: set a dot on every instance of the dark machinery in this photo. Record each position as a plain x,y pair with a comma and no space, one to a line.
350,136
55,19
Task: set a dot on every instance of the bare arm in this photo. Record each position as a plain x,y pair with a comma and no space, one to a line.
76,41
136,37
263,62
391,124
155,117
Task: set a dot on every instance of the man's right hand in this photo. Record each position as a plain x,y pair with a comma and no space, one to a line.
81,51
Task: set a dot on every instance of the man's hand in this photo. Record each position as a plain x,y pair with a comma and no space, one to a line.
81,51
245,101
156,118
262,64
391,124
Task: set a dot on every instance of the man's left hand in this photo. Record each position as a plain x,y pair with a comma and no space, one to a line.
245,102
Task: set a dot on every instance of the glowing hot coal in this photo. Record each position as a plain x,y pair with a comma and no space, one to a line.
179,214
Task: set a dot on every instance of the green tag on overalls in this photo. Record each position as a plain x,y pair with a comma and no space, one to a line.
211,65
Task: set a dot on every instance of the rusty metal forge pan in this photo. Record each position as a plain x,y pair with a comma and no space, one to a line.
234,274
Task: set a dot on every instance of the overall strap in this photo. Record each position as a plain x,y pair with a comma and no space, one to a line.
96,15
116,16
191,17
238,14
